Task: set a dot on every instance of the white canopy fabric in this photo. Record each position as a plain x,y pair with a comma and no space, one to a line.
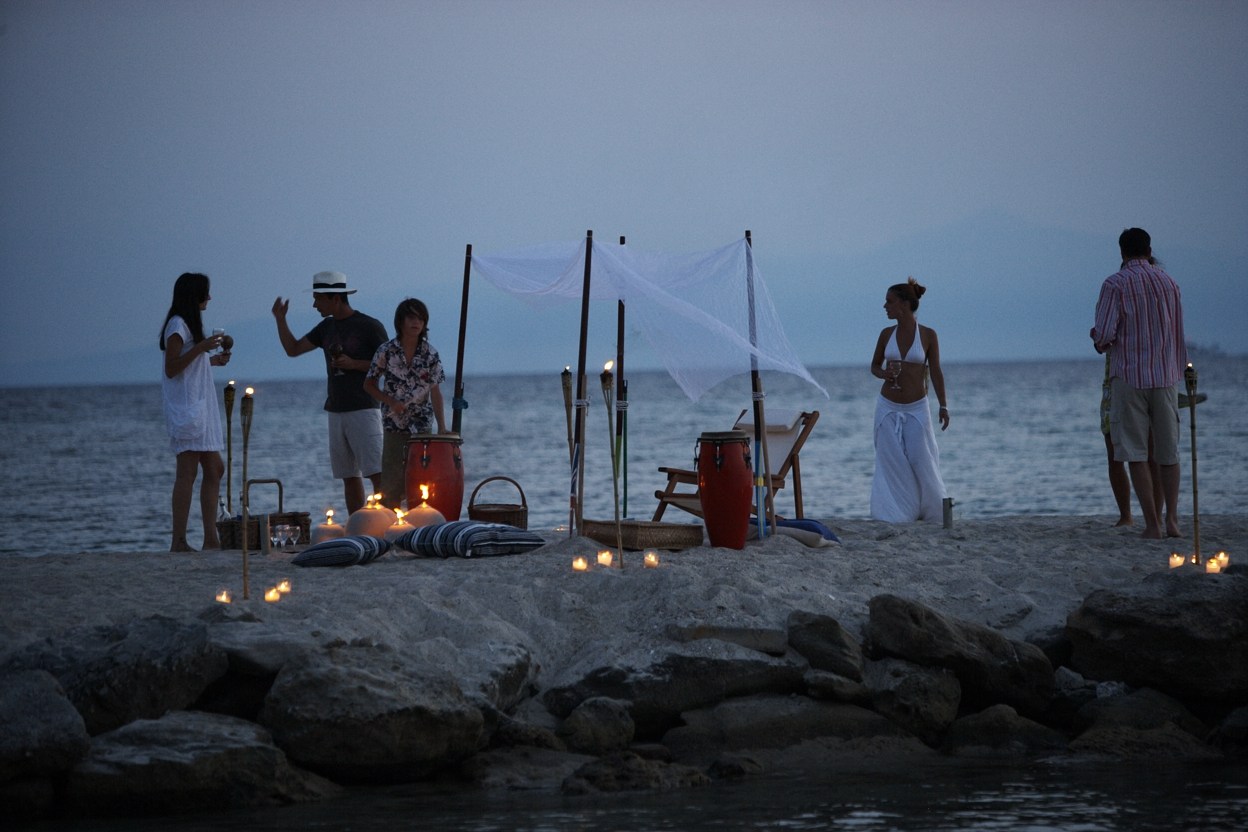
693,309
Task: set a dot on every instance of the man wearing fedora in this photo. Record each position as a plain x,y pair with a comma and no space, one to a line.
349,338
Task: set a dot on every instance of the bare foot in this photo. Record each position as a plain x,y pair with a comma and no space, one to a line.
1173,531
181,547
1153,533
1124,521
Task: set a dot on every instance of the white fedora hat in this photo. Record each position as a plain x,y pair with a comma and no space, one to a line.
326,282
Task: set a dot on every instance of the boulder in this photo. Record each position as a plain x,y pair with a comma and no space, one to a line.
626,771
362,713
116,674
823,642
43,733
1231,734
186,761
922,700
1183,634
1169,743
598,726
1144,708
991,668
764,640
822,684
663,684
1000,731
769,721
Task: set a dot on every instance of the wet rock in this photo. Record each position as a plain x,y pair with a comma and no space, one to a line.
119,673
823,642
599,726
626,771
991,668
1183,634
1144,708
509,732
998,731
662,684
360,713
822,684
186,761
769,721
43,733
1231,734
1168,742
922,700
770,641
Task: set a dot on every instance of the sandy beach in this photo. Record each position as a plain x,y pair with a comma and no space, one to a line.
1019,575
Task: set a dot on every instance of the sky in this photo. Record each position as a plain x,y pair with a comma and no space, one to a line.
994,150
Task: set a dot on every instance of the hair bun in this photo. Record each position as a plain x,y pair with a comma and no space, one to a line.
918,288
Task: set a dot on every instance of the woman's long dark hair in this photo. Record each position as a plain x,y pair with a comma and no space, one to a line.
189,292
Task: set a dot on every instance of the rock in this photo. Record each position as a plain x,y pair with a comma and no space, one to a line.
1184,635
663,684
991,668
598,726
922,700
772,642
139,670
43,733
1231,734
523,768
733,766
769,721
511,733
823,642
626,771
256,652
1144,708
1167,743
999,730
184,762
821,684
360,713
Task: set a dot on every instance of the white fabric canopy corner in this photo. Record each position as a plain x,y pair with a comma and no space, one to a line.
693,309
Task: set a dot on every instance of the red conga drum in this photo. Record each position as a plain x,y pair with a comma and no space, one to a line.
435,461
724,484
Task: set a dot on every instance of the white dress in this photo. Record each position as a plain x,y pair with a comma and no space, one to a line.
191,412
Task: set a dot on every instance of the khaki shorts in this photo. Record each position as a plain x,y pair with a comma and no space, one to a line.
355,443
1134,413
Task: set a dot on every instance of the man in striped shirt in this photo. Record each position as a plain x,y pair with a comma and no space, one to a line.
1139,320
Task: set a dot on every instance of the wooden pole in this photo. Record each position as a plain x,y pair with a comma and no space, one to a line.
457,402
621,400
229,447
1189,379
762,463
578,462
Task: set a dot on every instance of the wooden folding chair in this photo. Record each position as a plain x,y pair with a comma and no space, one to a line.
786,434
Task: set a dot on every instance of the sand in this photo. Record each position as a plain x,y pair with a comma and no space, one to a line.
1020,575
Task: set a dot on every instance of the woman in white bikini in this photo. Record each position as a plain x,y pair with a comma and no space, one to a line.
907,484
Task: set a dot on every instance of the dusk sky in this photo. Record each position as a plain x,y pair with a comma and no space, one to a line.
994,150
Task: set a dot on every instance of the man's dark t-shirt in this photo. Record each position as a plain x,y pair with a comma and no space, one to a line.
360,336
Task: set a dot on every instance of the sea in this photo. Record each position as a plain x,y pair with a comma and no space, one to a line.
88,470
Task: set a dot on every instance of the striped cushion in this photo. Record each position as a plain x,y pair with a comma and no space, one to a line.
468,539
344,551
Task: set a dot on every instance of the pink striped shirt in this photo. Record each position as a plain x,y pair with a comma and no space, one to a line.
1139,319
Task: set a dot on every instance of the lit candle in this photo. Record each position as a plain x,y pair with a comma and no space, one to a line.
1212,565
651,560
224,596
328,530
604,558
425,514
1224,559
283,586
1176,560
373,519
579,564
399,527
271,594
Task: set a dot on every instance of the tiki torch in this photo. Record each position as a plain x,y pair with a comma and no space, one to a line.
1189,378
608,395
229,446
246,410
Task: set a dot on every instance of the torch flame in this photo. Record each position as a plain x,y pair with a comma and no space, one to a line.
606,368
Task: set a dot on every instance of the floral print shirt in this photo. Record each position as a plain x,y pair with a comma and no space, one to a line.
409,383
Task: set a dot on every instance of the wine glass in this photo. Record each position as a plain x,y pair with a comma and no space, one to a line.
292,534
894,370
335,351
220,335
277,534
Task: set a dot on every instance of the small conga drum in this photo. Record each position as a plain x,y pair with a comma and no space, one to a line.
436,462
724,484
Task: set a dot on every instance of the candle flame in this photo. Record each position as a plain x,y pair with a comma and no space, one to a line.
271,594
231,382
606,368
399,514
604,558
579,565
424,493
224,596
651,560
283,586
329,516
249,391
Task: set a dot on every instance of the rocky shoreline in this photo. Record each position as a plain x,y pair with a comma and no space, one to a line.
516,673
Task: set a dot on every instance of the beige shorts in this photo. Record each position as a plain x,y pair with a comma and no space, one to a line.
1134,414
355,443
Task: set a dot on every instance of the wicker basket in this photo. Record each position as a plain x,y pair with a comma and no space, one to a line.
644,534
507,513
229,530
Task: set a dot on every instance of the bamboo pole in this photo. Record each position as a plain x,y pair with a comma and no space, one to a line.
457,401
762,462
578,462
229,447
607,394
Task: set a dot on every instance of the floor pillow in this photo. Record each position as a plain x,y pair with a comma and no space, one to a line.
343,551
468,539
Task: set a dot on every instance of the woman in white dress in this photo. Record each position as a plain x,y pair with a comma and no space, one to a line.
907,484
191,413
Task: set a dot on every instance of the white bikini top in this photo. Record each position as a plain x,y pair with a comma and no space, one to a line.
916,355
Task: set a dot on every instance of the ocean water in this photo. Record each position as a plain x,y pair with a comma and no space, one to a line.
89,469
